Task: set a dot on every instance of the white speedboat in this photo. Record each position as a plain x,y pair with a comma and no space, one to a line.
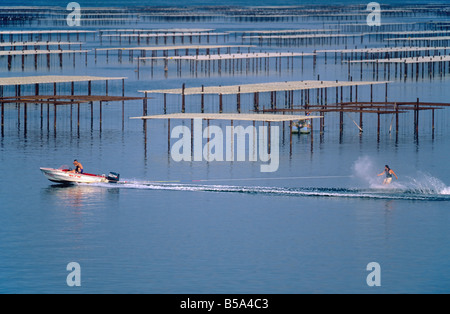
66,176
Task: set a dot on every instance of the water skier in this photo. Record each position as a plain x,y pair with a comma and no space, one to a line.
389,175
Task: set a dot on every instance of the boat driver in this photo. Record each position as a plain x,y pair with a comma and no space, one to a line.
78,167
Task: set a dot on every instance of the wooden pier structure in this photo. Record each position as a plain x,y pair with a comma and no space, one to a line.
249,117
155,38
177,49
417,47
378,108
405,68
37,45
23,54
40,35
231,63
19,100
306,92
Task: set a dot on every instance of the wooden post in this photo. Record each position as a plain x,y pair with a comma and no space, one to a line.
78,117
386,94
123,104
168,136
2,111
322,122
203,99
192,136
239,100
290,138
432,122
25,116
145,105
183,99
72,92
257,101
54,119
337,95
101,115
3,118
417,117
371,93
379,124
18,92
396,119
91,103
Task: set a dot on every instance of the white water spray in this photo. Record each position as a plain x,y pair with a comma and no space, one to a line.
366,171
427,184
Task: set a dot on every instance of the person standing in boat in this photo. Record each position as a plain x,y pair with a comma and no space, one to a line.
389,175
78,167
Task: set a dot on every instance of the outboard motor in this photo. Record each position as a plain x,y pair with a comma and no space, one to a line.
113,177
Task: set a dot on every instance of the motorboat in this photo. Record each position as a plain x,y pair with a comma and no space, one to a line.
67,176
301,128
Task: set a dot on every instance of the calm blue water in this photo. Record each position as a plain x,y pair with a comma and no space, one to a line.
237,230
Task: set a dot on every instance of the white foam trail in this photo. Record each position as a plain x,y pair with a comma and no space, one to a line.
421,187
365,170
385,193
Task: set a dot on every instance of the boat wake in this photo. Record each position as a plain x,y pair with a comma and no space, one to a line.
423,187
371,193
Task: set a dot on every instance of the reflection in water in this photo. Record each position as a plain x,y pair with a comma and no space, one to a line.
389,206
79,196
